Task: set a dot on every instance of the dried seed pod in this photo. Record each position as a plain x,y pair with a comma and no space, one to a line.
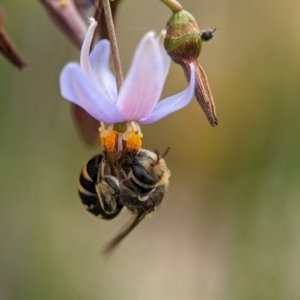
202,92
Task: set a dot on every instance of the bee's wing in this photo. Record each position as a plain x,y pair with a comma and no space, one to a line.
127,229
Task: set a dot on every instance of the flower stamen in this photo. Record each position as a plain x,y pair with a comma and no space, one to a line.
108,137
133,136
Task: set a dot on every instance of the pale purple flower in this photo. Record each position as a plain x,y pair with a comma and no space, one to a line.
92,85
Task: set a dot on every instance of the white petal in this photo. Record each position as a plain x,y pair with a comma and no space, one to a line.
78,88
173,103
99,60
86,45
144,83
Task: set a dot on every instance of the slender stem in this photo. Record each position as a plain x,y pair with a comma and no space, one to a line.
173,5
113,43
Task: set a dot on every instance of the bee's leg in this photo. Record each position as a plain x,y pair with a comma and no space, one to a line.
108,191
107,187
88,191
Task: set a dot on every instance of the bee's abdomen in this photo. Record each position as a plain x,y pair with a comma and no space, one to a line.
87,191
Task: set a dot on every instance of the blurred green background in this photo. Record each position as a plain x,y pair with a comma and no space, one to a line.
229,227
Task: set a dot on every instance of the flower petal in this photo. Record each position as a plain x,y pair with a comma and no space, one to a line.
144,83
78,88
173,103
99,60
85,49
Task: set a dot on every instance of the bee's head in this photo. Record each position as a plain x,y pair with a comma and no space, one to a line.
148,167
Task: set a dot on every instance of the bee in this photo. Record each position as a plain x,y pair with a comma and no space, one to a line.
136,180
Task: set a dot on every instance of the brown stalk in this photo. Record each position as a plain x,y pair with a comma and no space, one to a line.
113,43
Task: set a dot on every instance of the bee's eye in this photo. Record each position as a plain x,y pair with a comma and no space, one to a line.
141,174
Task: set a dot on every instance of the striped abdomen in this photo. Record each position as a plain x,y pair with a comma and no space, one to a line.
87,189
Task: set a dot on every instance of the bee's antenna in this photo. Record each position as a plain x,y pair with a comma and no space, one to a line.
166,152
161,156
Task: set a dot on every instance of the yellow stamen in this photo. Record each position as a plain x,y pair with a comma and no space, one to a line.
133,137
134,142
108,139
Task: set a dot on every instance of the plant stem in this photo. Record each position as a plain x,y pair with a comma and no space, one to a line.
173,5
113,43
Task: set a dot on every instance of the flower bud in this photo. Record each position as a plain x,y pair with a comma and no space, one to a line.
66,16
183,38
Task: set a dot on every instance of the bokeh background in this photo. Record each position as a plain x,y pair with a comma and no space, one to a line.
230,225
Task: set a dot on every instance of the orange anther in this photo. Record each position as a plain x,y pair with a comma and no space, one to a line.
108,140
134,142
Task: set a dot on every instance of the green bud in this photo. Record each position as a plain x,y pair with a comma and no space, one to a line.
183,38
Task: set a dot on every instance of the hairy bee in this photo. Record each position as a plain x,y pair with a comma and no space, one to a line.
137,180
